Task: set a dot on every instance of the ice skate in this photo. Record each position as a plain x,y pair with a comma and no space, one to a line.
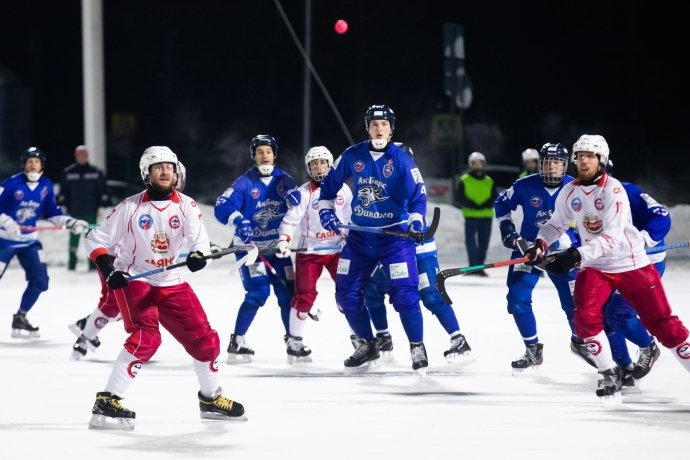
530,362
459,351
356,341
78,326
419,359
365,356
220,408
385,342
238,350
580,349
646,357
297,352
22,328
628,386
609,388
83,345
110,414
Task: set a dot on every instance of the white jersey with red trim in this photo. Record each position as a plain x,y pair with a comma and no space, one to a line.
145,235
610,242
306,217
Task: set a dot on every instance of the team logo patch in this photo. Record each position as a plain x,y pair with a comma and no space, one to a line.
388,170
370,194
18,195
194,204
399,271
339,200
343,266
593,347
101,322
145,221
174,222
593,223
160,243
315,204
423,281
266,215
213,365
359,166
599,204
617,190
683,350
254,193
535,201
134,367
576,204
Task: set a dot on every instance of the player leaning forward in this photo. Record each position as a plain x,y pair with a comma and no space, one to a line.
612,257
146,231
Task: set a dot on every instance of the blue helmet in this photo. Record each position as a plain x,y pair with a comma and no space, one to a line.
263,139
553,152
32,152
379,112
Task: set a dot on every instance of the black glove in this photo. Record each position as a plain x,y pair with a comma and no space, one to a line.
508,234
562,262
535,253
195,261
115,279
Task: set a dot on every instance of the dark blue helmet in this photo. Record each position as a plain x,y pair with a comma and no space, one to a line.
33,152
549,169
379,112
263,139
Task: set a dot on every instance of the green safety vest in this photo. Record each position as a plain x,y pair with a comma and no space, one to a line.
478,190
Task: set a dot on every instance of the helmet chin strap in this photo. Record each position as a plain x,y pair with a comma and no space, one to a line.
380,144
265,170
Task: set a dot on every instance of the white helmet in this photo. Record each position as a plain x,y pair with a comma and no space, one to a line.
592,143
530,154
318,153
153,155
181,177
474,156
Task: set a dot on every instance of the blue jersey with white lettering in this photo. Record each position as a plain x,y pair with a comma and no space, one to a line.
259,199
648,214
27,202
387,186
537,201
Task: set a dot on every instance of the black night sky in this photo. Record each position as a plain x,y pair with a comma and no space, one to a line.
205,76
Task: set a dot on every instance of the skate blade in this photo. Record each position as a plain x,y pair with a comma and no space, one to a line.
611,401
238,359
23,334
221,417
298,359
421,372
631,390
460,358
76,330
363,368
386,356
76,356
532,371
102,422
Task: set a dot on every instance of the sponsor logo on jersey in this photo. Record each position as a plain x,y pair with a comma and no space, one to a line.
370,194
416,175
315,204
160,263
683,350
343,266
339,200
387,170
423,281
361,212
18,195
399,271
593,223
326,234
254,193
160,244
44,193
576,204
174,222
359,166
257,269
593,347
145,221
535,201
599,204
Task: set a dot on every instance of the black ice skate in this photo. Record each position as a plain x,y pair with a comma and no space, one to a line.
22,328
385,342
419,359
78,327
580,349
609,387
110,414
296,350
356,341
459,351
83,345
220,408
367,354
238,350
646,357
530,362
628,386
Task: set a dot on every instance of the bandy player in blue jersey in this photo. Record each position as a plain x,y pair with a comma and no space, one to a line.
388,192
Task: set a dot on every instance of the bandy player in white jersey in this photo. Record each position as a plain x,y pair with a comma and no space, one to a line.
612,256
144,232
309,265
